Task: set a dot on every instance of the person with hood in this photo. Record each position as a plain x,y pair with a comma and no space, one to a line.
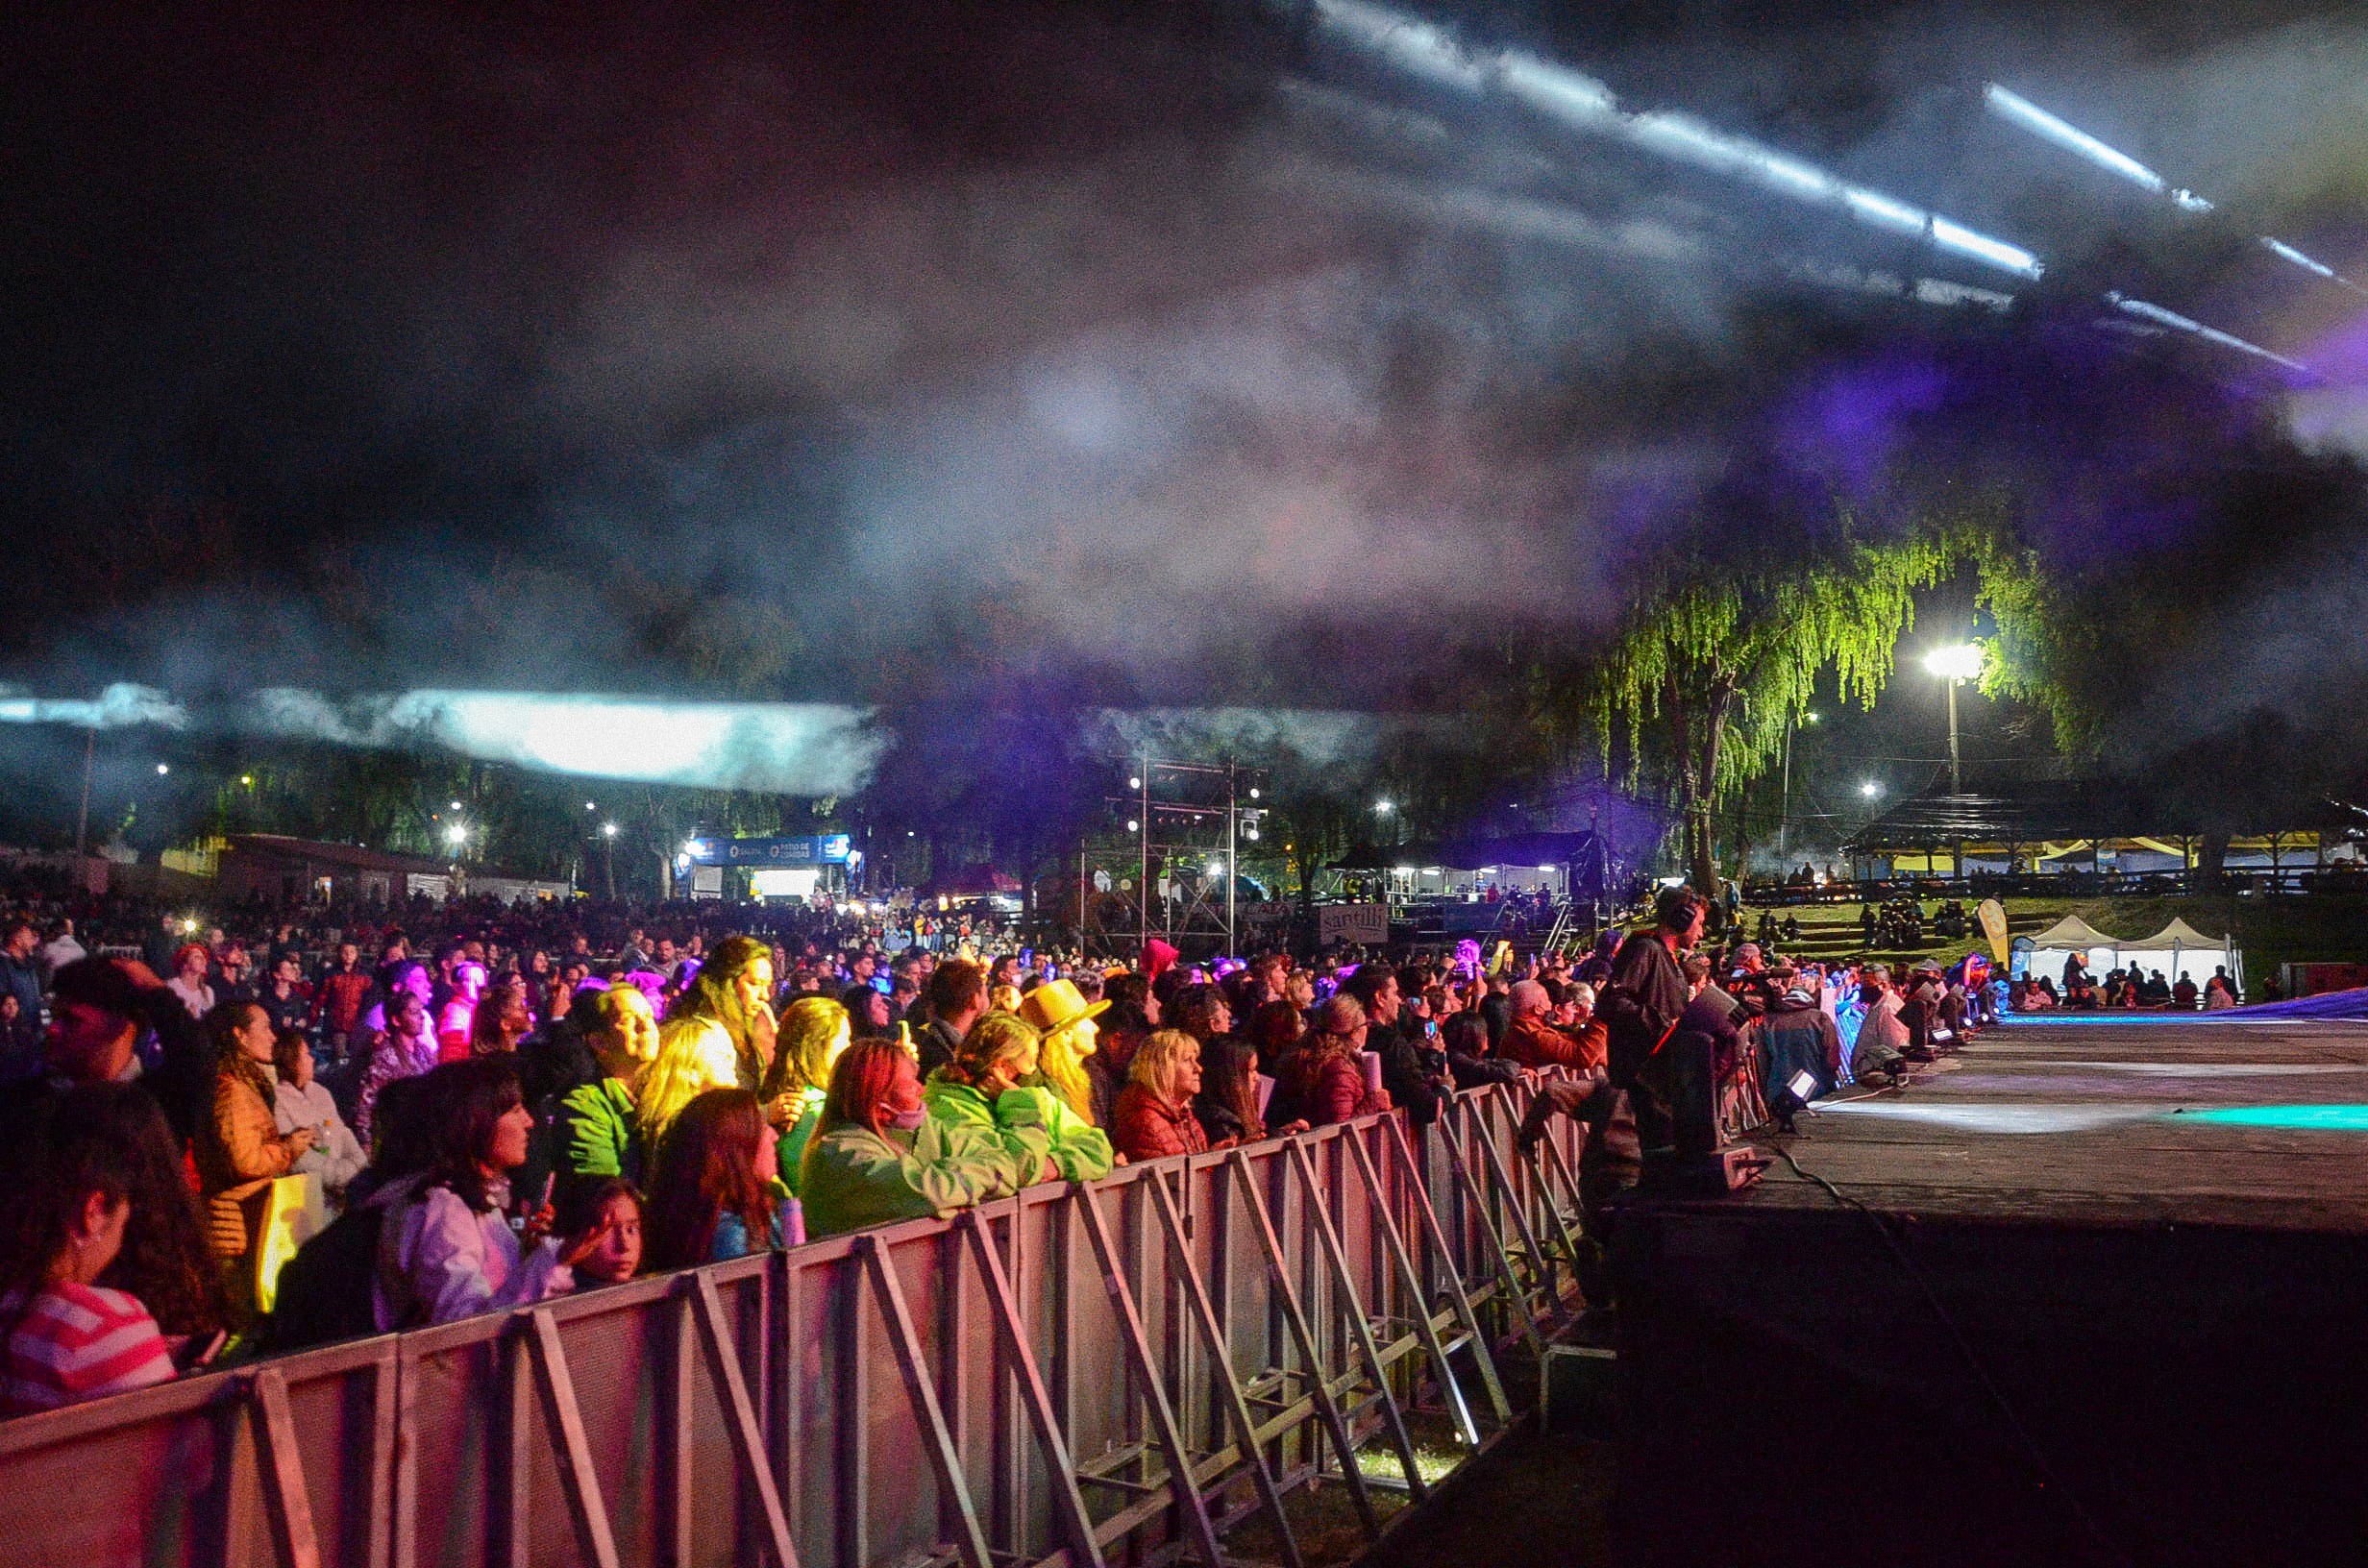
985,1088
880,1156
1797,1037
1879,1061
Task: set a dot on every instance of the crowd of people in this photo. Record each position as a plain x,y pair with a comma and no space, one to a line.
506,1105
2126,987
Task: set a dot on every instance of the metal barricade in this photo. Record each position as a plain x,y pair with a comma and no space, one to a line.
1074,1375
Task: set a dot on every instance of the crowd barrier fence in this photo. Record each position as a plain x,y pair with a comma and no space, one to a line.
1114,1371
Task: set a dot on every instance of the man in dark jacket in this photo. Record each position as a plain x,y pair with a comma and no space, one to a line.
957,1000
1411,1087
1641,1005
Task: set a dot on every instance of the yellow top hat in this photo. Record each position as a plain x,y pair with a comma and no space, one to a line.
1057,1004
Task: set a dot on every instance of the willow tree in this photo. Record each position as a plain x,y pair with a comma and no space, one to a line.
1724,643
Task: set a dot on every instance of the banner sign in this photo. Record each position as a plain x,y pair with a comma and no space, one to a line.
794,850
1367,924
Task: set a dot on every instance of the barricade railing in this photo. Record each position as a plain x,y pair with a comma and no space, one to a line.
1120,1370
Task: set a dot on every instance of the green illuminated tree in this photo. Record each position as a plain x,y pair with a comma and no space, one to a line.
1728,638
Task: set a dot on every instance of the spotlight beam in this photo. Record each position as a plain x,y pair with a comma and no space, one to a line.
2021,112
1574,99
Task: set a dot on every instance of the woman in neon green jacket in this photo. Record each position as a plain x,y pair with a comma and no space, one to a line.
981,1087
878,1156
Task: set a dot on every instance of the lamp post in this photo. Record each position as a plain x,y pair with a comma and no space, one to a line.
1954,663
1784,817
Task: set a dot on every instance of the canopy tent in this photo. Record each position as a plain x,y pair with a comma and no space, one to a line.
2192,953
2045,953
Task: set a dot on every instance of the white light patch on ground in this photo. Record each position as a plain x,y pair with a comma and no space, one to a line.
2205,1069
2013,1119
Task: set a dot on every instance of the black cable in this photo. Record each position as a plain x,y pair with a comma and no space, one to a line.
2047,1477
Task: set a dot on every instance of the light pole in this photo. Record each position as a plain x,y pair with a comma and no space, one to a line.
1784,817
1954,663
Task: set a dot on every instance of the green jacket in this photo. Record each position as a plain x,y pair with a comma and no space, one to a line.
794,1141
852,1177
1031,1119
596,1132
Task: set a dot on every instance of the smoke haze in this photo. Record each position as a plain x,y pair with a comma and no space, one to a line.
867,359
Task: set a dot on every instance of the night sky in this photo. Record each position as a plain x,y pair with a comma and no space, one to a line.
1176,354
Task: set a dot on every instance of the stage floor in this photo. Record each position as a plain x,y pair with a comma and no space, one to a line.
2116,1312
2256,1124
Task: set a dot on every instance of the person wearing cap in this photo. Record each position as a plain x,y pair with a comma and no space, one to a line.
1065,1018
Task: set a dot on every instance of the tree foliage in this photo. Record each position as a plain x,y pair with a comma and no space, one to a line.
1726,642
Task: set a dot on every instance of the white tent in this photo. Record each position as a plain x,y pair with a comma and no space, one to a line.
2070,934
2179,948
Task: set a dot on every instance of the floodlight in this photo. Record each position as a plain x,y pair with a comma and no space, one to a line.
1957,661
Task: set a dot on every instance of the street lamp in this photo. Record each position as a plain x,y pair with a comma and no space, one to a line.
1871,790
455,835
1954,663
1382,808
609,830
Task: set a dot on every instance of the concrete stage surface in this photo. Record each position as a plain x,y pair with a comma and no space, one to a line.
2110,1306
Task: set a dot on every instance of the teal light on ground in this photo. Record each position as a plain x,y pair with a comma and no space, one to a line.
2333,1119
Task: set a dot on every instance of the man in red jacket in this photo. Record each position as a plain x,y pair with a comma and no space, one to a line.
1533,1041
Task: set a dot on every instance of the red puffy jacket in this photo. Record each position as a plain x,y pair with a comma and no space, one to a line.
1146,1127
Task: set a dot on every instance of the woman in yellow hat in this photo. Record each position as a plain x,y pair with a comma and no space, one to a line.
1065,1018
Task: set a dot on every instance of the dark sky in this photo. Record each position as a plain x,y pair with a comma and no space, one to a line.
848,351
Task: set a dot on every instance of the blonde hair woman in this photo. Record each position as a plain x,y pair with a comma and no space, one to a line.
718,1035
1065,1020
1154,1116
813,1032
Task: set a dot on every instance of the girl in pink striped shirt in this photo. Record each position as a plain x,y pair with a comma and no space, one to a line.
62,1338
